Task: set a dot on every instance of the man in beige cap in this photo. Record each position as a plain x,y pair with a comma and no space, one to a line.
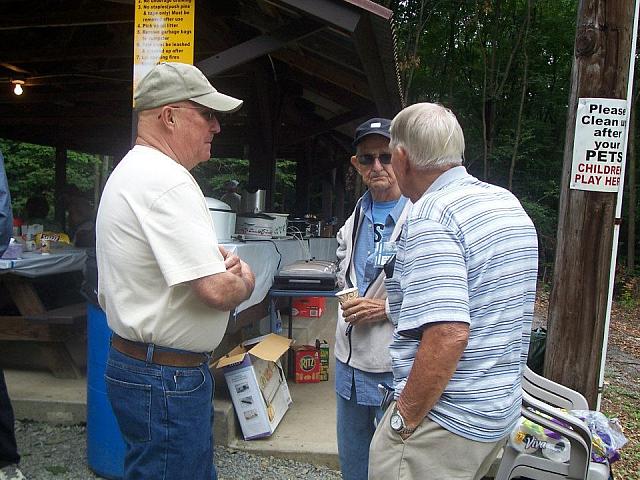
165,284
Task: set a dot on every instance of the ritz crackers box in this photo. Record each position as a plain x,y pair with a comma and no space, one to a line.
307,364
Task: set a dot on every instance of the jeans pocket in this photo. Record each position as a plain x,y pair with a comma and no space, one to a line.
131,403
186,381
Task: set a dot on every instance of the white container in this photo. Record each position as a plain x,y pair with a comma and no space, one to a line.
279,224
224,219
255,226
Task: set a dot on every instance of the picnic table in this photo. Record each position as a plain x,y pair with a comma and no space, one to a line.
34,321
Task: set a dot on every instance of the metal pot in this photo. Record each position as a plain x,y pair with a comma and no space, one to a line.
253,201
224,219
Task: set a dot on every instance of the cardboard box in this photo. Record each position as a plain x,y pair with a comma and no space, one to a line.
307,364
308,306
257,384
323,348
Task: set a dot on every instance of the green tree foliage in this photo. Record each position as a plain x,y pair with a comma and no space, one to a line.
212,175
470,56
31,171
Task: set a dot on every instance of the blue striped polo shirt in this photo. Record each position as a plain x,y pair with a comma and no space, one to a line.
468,253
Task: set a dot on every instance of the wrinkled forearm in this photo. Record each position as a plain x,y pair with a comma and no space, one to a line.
436,360
224,291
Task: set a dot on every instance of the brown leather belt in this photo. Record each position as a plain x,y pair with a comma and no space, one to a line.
161,357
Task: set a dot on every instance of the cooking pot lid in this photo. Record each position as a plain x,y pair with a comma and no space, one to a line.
217,205
256,215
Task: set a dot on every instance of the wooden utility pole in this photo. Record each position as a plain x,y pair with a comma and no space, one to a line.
578,302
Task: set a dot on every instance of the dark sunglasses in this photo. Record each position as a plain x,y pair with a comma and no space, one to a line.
207,113
369,158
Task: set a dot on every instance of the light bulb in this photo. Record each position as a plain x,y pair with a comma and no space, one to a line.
18,89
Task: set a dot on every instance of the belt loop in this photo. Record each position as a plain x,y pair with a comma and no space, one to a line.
150,349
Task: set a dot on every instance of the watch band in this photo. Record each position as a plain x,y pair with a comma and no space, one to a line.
406,430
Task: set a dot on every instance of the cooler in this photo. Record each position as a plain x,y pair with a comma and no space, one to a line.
105,446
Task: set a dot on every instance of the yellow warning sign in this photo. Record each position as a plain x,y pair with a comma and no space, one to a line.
163,33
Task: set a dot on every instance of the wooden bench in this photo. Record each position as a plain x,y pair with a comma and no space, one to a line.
50,329
67,315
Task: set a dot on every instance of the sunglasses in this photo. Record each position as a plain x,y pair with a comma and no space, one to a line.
207,113
369,158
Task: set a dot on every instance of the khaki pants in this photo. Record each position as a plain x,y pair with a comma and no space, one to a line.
430,453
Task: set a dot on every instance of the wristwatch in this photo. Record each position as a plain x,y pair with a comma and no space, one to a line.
398,424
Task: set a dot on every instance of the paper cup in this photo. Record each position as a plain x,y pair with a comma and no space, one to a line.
347,294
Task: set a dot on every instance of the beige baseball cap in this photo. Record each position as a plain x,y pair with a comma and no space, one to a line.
170,82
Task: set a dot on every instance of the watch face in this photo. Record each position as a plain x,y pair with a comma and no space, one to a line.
396,421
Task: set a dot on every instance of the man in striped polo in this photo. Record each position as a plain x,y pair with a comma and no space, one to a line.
461,296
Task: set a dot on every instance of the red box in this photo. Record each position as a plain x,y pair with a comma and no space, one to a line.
307,364
308,306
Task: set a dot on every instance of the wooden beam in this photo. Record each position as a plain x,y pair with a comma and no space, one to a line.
257,47
338,14
297,135
354,84
52,55
369,54
324,88
62,18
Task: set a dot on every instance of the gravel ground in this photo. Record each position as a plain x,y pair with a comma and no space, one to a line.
59,453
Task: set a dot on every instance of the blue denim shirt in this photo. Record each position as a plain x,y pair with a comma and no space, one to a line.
6,214
366,383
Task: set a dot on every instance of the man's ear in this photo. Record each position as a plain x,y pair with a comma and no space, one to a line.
355,163
166,115
401,163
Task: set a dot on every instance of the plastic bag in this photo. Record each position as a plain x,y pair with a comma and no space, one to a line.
606,433
530,437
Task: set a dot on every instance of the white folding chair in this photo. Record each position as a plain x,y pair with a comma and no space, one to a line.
543,395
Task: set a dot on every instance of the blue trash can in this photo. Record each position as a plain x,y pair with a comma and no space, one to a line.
105,446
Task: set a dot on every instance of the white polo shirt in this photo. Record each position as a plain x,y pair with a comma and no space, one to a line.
153,234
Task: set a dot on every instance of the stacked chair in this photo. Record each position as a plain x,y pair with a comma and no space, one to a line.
545,397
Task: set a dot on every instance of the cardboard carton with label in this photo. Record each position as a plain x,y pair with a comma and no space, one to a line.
257,384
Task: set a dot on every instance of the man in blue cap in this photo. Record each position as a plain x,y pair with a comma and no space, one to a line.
363,334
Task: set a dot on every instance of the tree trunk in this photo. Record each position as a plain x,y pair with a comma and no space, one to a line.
485,126
578,302
413,60
523,96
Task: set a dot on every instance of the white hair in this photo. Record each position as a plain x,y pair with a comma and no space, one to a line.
430,134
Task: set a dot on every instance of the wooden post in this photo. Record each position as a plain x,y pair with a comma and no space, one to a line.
303,179
578,302
262,158
340,188
61,181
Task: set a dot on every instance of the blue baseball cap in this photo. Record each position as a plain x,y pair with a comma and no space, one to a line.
373,126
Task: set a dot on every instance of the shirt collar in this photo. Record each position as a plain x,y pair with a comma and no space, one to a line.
447,177
367,201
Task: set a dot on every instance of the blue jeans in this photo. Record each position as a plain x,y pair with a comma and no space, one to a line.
165,415
355,430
